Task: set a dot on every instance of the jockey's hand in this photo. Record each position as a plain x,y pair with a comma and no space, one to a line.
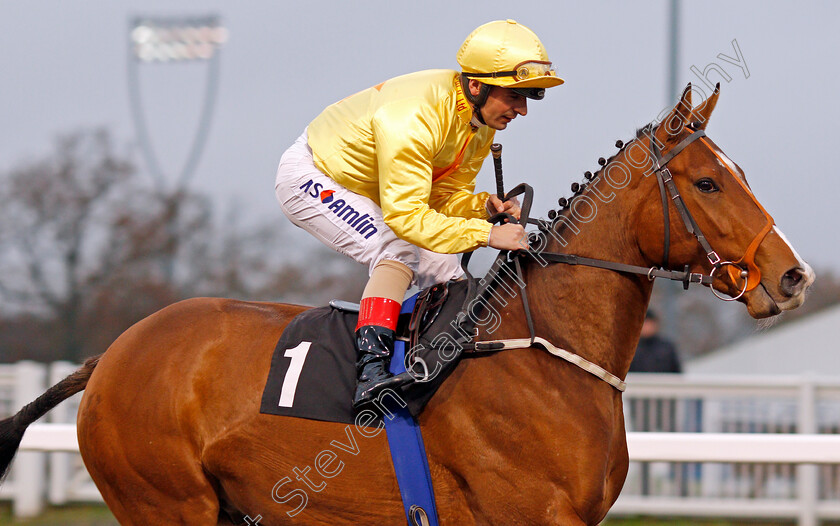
508,237
494,206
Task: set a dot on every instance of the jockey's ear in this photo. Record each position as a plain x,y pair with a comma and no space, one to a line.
474,87
669,130
700,115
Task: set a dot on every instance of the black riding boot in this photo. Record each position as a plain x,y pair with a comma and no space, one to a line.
374,345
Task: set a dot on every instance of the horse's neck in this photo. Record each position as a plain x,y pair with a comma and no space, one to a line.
592,312
503,413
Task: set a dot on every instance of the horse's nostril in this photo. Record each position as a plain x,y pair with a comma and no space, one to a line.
792,281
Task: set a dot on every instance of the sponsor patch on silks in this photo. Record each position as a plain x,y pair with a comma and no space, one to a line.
326,195
361,223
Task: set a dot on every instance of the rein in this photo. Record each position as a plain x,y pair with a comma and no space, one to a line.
667,188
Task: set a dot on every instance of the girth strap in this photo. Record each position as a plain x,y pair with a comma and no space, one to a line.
408,453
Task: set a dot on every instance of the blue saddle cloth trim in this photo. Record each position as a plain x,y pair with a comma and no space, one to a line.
406,443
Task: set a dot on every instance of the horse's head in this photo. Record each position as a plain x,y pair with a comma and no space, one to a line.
717,226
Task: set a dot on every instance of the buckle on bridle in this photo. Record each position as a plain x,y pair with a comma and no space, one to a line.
691,277
714,259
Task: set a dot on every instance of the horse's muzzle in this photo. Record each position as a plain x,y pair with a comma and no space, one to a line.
794,282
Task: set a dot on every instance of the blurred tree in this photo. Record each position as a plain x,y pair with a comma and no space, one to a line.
87,247
54,219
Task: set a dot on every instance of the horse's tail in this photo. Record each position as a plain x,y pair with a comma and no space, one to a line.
12,428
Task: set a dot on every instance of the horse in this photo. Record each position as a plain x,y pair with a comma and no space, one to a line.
170,430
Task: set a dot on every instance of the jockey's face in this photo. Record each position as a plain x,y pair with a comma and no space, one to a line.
502,106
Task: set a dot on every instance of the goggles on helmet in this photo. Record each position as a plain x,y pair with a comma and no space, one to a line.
524,71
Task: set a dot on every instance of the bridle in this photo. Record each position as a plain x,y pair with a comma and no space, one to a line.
744,268
667,186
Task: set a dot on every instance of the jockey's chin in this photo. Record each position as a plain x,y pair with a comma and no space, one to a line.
502,106
500,123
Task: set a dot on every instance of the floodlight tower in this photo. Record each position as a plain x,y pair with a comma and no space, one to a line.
174,40
669,315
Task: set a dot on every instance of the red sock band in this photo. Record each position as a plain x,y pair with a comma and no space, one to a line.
379,311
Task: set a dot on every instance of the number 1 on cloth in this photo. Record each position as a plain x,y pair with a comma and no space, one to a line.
298,356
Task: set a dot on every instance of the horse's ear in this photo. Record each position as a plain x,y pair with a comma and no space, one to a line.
700,115
672,125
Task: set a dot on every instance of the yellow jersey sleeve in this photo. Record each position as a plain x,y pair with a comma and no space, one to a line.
407,145
406,132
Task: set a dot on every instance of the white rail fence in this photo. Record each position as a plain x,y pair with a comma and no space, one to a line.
757,447
745,447
48,468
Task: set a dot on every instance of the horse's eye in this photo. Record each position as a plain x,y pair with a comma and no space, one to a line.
706,186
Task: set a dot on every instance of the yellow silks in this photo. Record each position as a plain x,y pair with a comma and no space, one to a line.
408,145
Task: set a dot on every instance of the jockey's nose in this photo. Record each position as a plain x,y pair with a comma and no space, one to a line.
793,282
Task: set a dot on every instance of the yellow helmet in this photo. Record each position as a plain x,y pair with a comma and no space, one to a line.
508,54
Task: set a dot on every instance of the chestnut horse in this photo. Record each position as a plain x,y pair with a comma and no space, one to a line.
170,428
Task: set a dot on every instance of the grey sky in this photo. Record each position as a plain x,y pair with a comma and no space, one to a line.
64,67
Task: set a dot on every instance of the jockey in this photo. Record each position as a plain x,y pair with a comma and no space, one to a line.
387,177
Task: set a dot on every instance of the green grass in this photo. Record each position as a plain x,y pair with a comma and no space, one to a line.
76,515
99,515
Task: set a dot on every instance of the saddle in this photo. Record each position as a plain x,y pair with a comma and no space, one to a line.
313,371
